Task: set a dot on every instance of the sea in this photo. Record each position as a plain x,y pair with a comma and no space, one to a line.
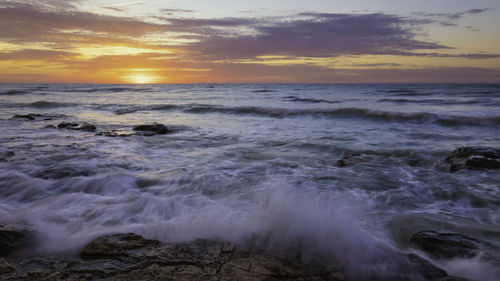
351,170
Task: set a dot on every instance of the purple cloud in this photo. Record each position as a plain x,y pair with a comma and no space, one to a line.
309,34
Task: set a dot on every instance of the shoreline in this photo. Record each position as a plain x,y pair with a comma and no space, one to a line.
129,256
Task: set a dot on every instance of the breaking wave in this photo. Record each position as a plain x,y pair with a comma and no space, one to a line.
352,112
50,104
110,89
296,99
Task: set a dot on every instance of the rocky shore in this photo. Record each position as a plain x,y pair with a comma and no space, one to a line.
128,256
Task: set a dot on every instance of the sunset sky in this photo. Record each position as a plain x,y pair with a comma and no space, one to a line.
222,41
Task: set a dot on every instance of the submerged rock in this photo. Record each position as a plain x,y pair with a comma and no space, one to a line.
77,126
152,129
12,92
36,116
13,236
474,158
115,133
4,155
446,245
353,158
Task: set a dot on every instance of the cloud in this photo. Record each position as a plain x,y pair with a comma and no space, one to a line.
118,7
307,34
171,11
304,34
33,54
449,19
35,23
466,13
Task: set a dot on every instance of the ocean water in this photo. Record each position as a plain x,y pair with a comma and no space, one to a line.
255,164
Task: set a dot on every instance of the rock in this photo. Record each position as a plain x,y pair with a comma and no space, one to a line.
12,92
474,158
36,116
117,245
446,245
115,133
77,126
6,269
153,129
13,236
129,256
353,158
6,154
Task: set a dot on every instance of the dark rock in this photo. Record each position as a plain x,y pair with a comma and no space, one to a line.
446,245
117,245
131,257
12,92
77,126
153,129
115,133
353,158
474,158
13,236
6,154
37,116
63,171
6,269
26,116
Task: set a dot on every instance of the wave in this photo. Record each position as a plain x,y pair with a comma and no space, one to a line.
111,89
401,90
132,109
296,99
263,91
350,112
419,117
435,101
49,104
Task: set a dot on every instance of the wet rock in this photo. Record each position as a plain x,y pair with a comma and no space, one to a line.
474,158
115,133
352,159
14,236
117,245
6,269
63,171
152,129
129,256
77,126
36,116
12,92
446,245
4,155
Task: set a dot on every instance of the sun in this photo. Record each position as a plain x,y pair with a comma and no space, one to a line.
141,79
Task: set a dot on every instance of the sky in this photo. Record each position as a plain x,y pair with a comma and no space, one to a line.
259,41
